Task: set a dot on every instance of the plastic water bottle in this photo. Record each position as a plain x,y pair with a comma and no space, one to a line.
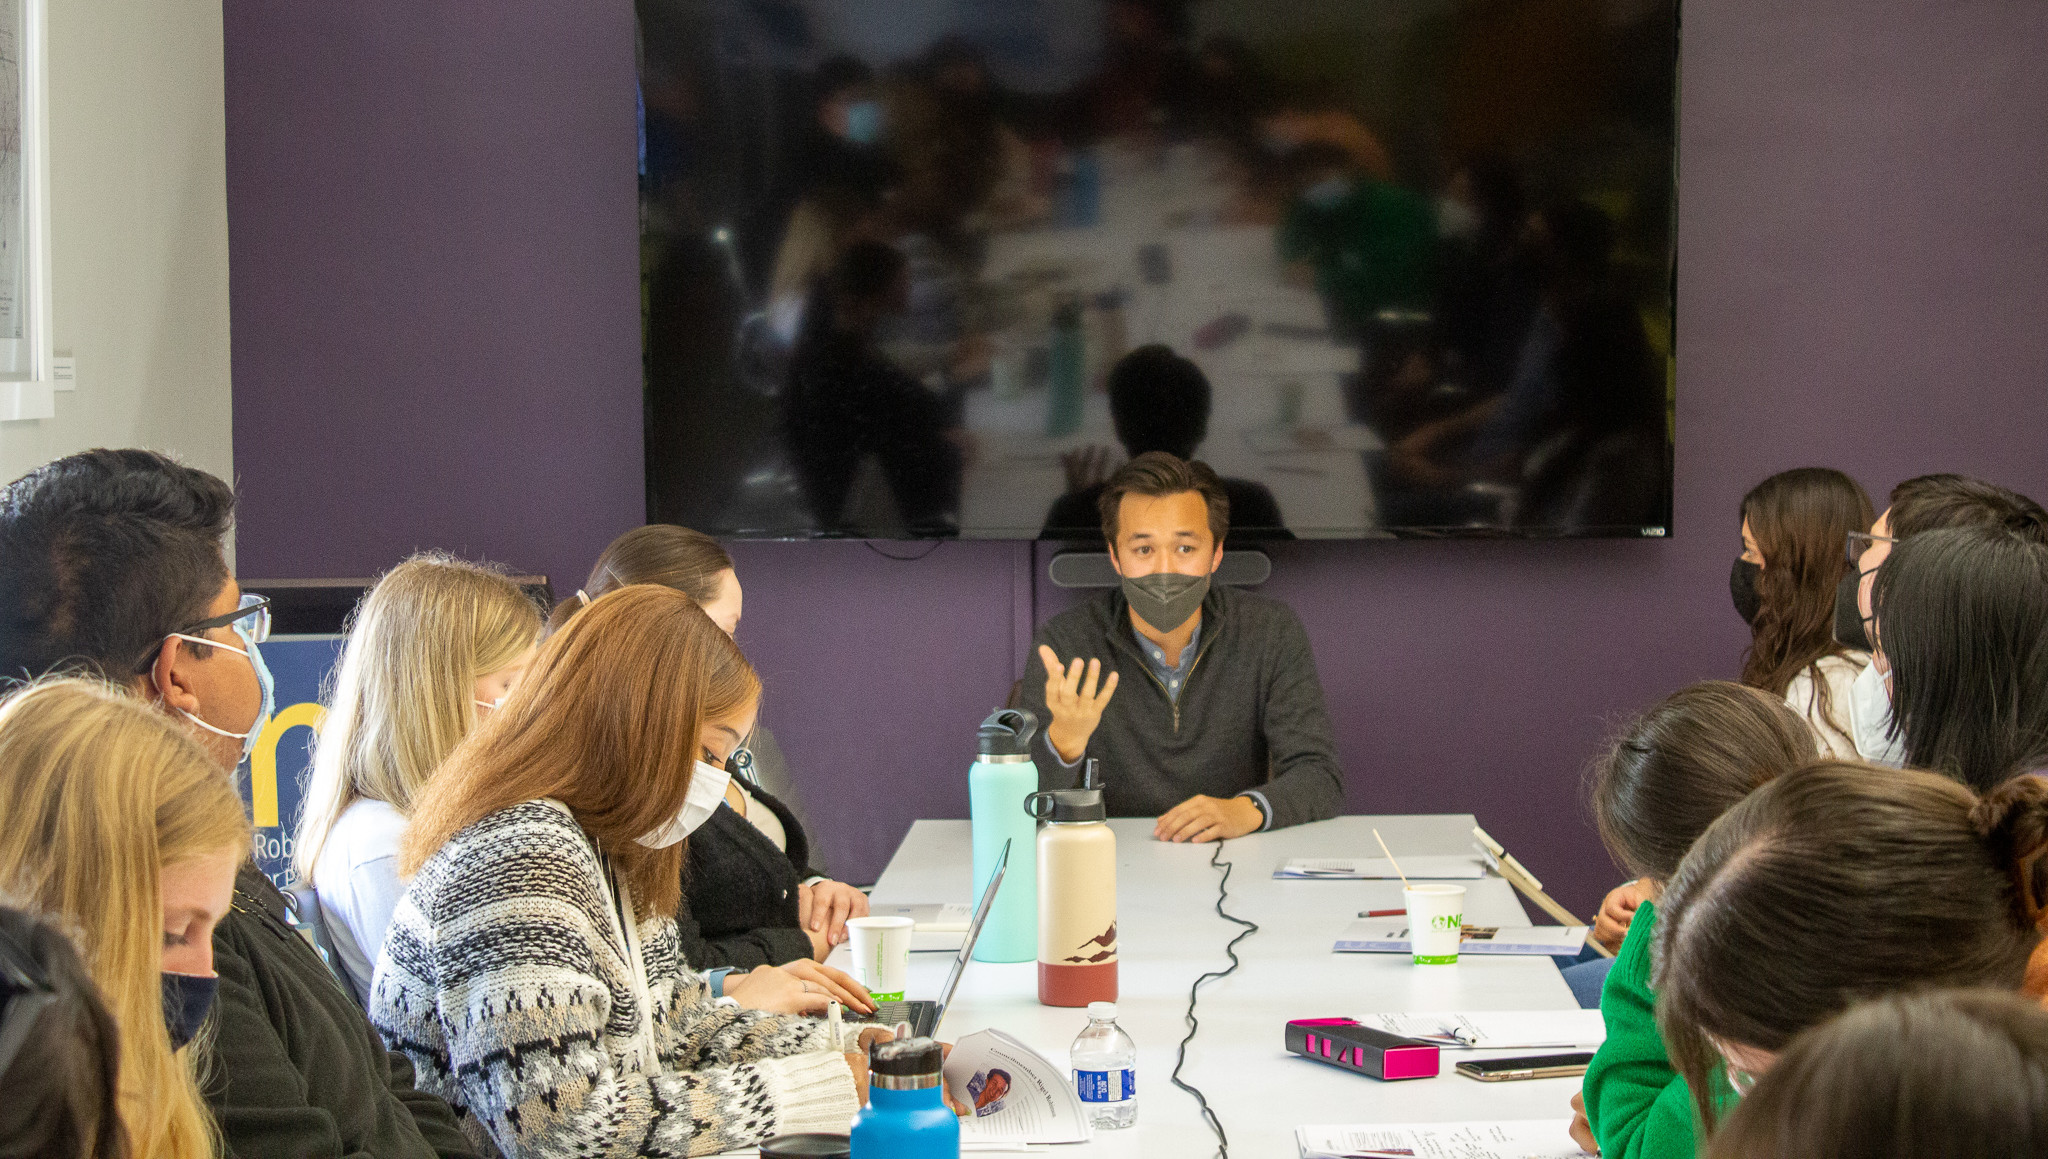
1106,1069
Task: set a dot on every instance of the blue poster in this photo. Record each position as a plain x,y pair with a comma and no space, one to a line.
275,775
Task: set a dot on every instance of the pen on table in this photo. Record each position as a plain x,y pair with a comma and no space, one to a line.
832,1020
1381,913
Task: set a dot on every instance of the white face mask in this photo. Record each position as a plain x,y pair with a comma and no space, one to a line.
1870,720
707,792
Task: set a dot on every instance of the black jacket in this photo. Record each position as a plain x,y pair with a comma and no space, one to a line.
296,1069
740,892
1249,716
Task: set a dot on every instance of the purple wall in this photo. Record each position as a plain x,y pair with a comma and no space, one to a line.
433,255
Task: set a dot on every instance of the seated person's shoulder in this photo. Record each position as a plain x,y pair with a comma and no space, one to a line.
514,840
1084,623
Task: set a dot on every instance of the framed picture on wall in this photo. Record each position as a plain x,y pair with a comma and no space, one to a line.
27,368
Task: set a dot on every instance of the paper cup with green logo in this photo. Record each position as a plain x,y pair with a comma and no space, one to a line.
880,948
1436,913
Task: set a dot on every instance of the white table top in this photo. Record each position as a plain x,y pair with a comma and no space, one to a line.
1169,935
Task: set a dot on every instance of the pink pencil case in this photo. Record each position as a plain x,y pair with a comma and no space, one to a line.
1343,1043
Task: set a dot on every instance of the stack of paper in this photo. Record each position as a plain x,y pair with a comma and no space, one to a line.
1390,936
1508,1139
1497,1029
1439,867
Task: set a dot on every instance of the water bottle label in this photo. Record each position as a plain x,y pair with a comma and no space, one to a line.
1106,1086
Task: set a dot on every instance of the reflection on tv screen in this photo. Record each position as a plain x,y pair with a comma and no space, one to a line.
934,268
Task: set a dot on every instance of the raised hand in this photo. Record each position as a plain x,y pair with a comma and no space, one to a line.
1075,701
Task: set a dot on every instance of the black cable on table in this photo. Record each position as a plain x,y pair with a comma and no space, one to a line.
1181,1056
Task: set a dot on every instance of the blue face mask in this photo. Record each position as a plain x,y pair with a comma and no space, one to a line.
263,681
187,998
864,122
1325,194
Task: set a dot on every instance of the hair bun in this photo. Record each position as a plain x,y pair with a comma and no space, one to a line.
2013,820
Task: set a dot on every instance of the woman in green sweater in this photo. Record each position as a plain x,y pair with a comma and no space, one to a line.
1671,772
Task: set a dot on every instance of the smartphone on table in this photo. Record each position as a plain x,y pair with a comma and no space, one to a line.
1541,1066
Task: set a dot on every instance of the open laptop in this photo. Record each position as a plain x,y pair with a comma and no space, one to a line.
922,1015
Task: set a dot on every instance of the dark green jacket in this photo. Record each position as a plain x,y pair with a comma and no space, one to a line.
1249,715
297,1071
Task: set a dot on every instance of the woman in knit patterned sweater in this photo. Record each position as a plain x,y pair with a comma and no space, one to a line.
532,972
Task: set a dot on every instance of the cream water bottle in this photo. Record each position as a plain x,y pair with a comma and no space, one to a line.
1077,946
997,783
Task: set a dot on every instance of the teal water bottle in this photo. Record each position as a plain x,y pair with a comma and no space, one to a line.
1001,777
906,1115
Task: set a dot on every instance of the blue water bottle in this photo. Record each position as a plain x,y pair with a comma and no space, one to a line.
1001,777
906,1115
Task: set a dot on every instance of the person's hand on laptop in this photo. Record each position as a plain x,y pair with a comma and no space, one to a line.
802,987
822,909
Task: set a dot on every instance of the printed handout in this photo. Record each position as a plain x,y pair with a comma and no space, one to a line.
1510,1139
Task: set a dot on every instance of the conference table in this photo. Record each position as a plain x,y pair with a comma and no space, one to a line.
1170,935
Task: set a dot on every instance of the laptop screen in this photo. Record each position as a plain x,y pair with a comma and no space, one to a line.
981,908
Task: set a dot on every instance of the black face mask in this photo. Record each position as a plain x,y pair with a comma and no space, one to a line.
187,998
1848,617
1742,589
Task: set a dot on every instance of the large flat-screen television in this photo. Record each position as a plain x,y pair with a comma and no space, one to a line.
933,268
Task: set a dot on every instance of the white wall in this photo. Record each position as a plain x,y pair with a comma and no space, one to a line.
139,225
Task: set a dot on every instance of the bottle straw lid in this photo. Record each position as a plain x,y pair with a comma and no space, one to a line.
1006,733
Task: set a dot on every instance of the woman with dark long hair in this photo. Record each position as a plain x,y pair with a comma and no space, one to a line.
1949,1074
1833,885
1962,637
1794,528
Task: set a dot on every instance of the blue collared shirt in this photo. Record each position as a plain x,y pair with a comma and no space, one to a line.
1171,676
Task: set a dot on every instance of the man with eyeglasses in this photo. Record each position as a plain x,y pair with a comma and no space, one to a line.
111,564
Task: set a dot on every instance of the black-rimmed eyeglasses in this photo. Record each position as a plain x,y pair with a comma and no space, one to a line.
251,619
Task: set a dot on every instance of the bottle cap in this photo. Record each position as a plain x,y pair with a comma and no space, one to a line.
1064,805
1006,733
906,1058
1102,1011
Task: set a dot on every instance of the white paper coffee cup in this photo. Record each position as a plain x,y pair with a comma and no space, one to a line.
880,948
1436,914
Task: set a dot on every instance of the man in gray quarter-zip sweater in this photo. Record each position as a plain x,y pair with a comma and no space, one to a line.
1207,715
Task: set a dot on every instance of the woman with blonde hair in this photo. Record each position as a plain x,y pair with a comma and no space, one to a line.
114,821
437,643
532,971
